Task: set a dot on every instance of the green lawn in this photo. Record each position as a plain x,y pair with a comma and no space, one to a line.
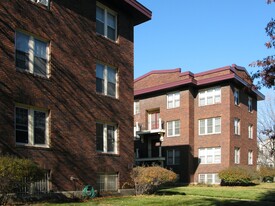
261,195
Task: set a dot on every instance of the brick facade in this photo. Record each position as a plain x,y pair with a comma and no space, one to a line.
151,92
69,94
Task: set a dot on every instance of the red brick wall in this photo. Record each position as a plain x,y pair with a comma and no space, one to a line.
156,79
69,93
216,140
242,141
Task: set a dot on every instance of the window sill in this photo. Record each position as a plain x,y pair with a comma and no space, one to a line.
173,107
108,39
29,146
108,96
173,136
33,74
210,104
210,163
209,134
107,153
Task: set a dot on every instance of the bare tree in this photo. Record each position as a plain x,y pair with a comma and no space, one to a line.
266,132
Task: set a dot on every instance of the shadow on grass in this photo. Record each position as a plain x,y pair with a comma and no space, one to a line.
49,198
269,196
267,199
169,193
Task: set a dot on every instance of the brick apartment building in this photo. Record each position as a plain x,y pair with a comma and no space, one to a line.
196,124
66,83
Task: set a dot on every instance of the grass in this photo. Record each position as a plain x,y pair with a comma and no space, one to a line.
261,195
255,193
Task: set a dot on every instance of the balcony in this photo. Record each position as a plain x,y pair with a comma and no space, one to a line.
148,150
156,127
151,158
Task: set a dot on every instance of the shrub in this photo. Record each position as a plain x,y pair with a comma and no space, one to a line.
237,176
12,172
148,179
267,174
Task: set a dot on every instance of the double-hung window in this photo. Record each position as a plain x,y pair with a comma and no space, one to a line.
106,80
210,126
136,107
237,126
249,104
236,96
210,96
237,155
31,126
250,157
173,100
210,155
173,157
173,128
250,131
32,54
106,22
106,138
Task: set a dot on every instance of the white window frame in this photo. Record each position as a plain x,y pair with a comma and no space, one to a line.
174,99
237,126
250,131
214,121
106,12
31,111
203,178
250,108
236,96
105,79
31,44
210,155
105,138
108,182
237,155
250,157
174,151
213,93
173,128
136,107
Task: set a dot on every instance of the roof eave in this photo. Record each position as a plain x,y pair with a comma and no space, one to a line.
142,14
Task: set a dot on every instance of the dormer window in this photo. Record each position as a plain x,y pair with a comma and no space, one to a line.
106,22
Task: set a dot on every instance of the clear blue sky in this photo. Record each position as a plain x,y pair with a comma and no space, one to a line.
197,35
